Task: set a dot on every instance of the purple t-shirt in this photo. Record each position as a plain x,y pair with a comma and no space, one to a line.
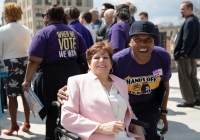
57,42
142,80
119,35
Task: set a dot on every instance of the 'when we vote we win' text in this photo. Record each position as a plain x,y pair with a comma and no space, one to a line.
67,42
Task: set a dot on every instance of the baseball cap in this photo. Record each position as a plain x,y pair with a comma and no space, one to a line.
142,27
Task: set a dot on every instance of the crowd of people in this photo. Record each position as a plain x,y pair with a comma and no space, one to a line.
97,65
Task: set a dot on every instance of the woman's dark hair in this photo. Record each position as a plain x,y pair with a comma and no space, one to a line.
56,12
123,12
72,12
103,46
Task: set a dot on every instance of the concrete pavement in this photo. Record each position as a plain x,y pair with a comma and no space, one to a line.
184,123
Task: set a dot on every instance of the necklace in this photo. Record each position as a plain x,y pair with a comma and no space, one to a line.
112,105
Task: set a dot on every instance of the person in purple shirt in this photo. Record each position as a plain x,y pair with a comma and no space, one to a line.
145,68
72,13
119,33
54,49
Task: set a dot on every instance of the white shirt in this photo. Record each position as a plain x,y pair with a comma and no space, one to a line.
119,107
15,40
92,32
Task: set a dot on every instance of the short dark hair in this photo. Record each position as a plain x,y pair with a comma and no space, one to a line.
103,46
72,12
188,4
144,13
56,12
109,6
87,16
65,19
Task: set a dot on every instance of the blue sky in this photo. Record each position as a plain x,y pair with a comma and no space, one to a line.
160,11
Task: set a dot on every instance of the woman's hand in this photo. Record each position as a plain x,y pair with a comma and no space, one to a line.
24,85
61,95
113,127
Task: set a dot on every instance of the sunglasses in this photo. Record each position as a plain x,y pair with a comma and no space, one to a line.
43,15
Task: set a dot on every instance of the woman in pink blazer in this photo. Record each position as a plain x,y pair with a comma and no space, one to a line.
98,106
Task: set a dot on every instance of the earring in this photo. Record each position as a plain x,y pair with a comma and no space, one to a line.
88,70
111,70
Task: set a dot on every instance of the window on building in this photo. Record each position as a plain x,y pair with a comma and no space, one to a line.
23,4
30,25
28,2
39,24
38,2
64,2
69,2
88,3
29,14
48,2
38,12
24,14
58,2
78,2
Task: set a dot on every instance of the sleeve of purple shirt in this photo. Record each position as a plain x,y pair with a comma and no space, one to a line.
117,38
38,45
168,74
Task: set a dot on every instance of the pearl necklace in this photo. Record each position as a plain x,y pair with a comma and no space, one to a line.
108,94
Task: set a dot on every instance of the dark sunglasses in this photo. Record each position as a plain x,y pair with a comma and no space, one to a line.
43,15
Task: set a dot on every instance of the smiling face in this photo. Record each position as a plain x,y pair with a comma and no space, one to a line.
142,46
100,63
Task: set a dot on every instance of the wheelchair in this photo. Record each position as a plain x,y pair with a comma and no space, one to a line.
61,133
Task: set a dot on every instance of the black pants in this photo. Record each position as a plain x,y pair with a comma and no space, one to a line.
148,112
52,77
51,124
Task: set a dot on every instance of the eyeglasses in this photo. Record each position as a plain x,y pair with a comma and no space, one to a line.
43,15
145,41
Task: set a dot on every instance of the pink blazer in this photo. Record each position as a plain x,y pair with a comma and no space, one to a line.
87,107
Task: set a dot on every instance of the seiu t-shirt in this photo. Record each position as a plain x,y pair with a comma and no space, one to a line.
142,80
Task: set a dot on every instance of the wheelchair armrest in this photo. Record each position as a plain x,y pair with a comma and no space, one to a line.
67,134
140,123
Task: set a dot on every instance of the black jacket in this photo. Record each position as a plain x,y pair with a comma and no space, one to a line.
188,39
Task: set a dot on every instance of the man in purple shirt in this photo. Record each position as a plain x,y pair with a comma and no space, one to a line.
145,68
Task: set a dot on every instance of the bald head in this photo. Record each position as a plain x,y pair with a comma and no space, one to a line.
109,12
108,16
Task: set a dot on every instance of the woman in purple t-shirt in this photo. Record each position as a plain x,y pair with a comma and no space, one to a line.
54,49
119,33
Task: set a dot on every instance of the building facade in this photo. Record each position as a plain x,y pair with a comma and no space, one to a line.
33,9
